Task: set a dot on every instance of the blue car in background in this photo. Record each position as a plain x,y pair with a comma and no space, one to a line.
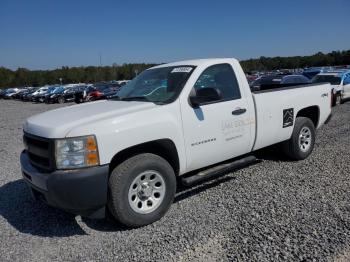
340,82
313,71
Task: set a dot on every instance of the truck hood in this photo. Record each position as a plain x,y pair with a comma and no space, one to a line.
57,123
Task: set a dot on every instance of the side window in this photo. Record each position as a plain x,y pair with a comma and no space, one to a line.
223,78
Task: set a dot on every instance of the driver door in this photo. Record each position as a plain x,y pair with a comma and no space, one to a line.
217,130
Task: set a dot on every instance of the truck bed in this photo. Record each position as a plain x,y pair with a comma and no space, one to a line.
277,108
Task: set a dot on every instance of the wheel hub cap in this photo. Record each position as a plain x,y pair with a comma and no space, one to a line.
305,139
146,192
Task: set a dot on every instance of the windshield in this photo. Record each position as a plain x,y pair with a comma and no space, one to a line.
58,90
50,90
9,91
334,80
159,85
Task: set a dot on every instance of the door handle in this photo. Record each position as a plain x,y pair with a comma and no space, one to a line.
239,111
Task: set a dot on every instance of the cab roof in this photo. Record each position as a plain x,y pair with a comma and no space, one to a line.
198,62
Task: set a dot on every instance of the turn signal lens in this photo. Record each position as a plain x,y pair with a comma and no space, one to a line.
91,143
92,159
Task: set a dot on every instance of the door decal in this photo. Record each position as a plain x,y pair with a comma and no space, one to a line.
288,117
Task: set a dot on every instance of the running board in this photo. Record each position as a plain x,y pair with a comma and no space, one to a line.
218,170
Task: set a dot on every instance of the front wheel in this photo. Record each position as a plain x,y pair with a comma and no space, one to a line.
141,190
60,100
301,144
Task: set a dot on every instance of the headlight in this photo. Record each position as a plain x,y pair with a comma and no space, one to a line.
76,152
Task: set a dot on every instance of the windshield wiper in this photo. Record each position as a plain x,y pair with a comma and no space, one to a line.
136,98
113,97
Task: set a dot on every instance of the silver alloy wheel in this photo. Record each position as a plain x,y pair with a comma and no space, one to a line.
146,192
305,139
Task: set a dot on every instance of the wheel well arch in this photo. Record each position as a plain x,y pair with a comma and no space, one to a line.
311,112
163,147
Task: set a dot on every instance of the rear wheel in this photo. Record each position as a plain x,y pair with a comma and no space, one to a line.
334,98
141,190
338,99
301,144
60,100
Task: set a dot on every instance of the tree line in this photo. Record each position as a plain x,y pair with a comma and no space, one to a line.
334,58
88,74
92,74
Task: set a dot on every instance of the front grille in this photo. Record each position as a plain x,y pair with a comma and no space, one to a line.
40,151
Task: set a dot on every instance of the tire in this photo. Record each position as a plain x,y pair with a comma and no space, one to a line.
298,148
124,197
337,99
60,100
334,99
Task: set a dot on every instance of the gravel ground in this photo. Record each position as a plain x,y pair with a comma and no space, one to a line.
274,210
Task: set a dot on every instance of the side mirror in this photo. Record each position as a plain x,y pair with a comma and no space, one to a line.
204,96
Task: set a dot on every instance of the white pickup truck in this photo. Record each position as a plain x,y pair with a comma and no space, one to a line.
179,122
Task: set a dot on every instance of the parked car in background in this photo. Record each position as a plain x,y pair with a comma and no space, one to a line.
63,94
20,92
276,81
2,93
101,91
345,95
41,96
251,77
37,93
55,95
80,96
10,92
340,83
313,71
23,93
27,96
110,91
122,82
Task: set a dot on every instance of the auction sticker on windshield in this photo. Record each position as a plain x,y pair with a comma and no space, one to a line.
182,70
